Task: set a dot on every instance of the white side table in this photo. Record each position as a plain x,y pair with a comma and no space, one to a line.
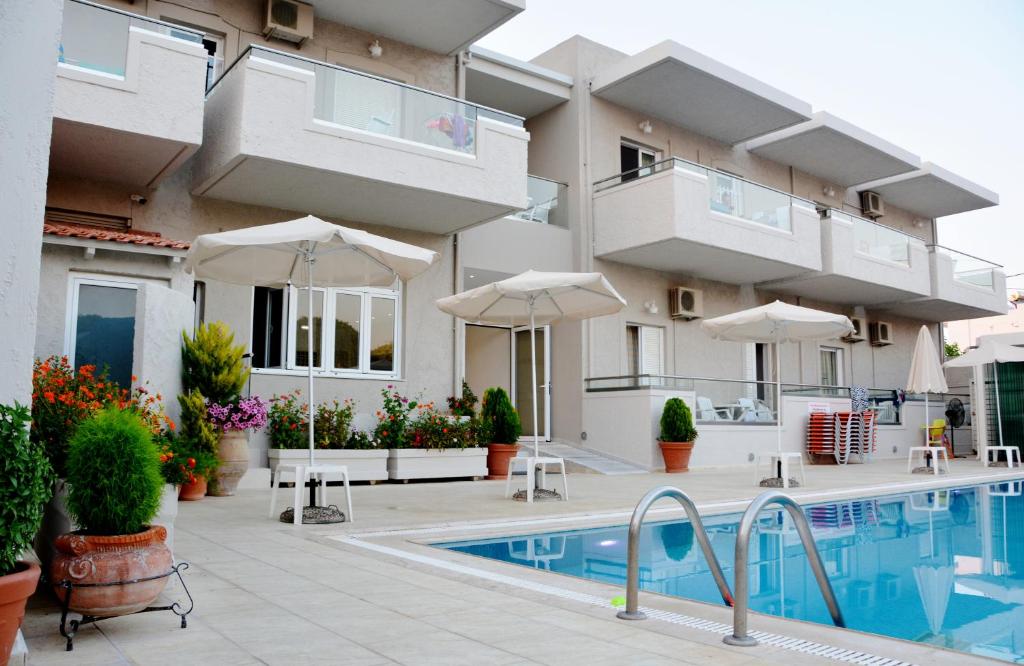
304,472
783,457
1010,452
532,465
936,451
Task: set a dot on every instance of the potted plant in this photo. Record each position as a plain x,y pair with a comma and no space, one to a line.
677,435
463,405
114,487
233,420
337,442
26,484
436,446
500,423
214,365
196,446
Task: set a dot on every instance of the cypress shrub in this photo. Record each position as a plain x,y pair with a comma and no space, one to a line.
677,422
499,418
212,364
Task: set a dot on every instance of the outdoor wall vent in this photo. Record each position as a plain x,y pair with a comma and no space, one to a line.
871,204
686,303
860,327
881,333
288,20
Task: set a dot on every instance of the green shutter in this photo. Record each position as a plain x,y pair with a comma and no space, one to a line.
1011,404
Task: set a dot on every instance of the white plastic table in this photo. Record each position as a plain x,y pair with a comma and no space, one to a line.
532,465
303,473
936,451
1010,452
783,457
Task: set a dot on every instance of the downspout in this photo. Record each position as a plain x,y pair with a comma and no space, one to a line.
461,60
458,327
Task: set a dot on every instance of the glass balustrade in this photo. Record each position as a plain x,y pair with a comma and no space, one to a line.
548,203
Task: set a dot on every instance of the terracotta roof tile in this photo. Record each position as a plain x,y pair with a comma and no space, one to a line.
150,238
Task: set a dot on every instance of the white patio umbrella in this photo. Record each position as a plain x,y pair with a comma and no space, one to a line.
925,372
934,586
533,298
277,254
994,353
776,323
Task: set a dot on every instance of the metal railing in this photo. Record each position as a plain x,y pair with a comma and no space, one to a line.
632,610
741,584
95,37
877,240
548,202
969,269
729,194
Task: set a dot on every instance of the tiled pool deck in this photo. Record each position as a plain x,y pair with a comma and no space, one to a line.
270,593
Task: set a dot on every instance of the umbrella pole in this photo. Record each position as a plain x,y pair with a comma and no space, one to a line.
533,375
309,373
999,413
778,405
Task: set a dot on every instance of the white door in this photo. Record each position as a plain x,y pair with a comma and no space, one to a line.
521,380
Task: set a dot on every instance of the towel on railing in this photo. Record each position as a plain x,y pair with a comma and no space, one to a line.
859,398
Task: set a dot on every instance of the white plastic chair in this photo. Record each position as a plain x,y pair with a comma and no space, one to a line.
755,410
706,410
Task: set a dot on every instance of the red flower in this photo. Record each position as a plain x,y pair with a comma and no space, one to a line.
49,396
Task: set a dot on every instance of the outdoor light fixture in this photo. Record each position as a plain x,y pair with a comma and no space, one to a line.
651,307
376,50
646,127
829,191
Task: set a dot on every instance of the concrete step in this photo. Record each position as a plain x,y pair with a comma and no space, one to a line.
582,461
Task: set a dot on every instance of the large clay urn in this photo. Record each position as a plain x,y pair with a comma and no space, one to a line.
233,453
498,458
15,589
83,559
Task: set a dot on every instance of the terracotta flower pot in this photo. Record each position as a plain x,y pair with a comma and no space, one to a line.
498,457
676,455
82,558
233,453
15,589
191,492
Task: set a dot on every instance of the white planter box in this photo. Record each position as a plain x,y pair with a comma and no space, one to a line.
405,464
363,464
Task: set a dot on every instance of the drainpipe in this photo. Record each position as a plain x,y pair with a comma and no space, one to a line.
458,326
461,60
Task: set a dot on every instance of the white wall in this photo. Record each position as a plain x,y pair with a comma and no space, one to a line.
27,64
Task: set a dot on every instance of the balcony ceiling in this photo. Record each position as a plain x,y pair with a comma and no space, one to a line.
836,151
931,192
939,310
684,257
519,87
443,26
676,84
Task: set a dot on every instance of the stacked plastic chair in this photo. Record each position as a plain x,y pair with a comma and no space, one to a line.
840,435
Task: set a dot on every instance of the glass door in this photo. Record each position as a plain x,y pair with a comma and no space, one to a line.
521,380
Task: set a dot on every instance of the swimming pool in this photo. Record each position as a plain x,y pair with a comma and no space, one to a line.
944,567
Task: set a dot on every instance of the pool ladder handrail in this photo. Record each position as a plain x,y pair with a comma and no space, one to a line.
739,636
632,610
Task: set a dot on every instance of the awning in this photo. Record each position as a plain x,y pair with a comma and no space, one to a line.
931,191
522,88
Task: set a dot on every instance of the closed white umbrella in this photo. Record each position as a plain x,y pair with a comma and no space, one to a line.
532,298
926,372
276,254
776,323
994,353
934,586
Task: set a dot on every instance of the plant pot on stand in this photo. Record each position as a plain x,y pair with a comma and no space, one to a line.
233,455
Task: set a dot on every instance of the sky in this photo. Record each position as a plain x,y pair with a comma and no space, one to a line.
942,79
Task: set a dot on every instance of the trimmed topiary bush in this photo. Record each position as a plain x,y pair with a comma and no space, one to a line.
677,422
114,479
213,364
499,417
26,484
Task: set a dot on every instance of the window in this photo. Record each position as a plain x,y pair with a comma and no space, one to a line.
632,157
214,45
644,350
355,331
831,362
101,326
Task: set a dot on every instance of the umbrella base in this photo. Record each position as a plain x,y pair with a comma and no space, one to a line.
926,470
776,482
315,515
539,495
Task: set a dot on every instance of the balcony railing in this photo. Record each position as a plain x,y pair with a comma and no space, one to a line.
95,37
379,106
877,240
729,194
548,203
969,269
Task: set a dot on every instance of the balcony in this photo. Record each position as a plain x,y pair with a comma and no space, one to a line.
685,218
962,287
286,132
128,101
863,263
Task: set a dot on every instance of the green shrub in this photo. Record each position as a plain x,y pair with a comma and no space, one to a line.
26,484
677,422
212,364
197,433
331,423
465,404
499,419
114,480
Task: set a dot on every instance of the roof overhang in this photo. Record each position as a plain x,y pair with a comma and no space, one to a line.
89,247
517,86
836,151
686,88
442,26
932,191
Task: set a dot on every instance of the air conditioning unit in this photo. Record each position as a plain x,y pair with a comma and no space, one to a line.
289,20
880,333
685,303
871,204
860,327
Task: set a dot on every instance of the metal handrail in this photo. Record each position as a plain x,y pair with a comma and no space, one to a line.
910,236
147,19
721,379
934,246
739,636
632,611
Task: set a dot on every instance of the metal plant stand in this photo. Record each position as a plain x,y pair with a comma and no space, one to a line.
68,629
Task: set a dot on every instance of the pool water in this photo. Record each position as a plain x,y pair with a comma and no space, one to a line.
944,567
